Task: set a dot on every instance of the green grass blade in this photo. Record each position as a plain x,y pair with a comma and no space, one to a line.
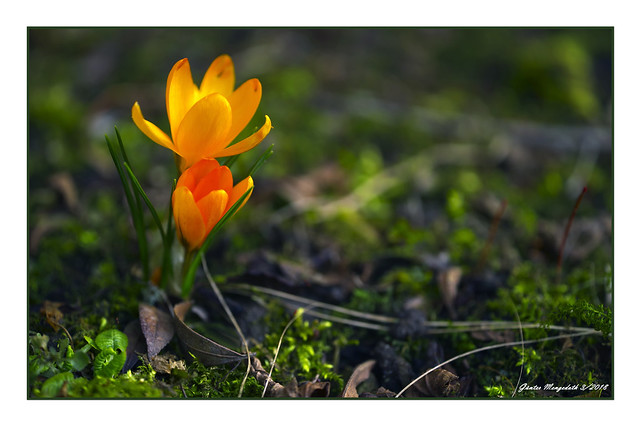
167,267
136,215
140,191
230,160
126,161
187,283
122,150
258,164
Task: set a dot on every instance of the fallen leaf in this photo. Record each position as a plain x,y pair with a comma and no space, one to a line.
381,392
136,344
157,327
208,352
52,314
314,389
439,383
306,389
360,374
274,389
567,344
290,390
448,281
392,370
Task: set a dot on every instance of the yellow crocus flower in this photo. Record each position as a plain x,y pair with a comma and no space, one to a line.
205,120
204,193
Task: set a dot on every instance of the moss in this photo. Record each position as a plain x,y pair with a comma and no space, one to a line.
307,351
215,382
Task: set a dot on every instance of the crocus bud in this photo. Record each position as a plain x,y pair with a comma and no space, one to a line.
203,194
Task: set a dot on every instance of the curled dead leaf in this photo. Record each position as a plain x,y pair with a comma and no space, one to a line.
360,374
439,383
306,389
208,352
157,327
314,389
274,389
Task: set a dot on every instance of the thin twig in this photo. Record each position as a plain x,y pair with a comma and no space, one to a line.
434,327
298,313
566,232
231,318
356,323
492,347
515,309
338,309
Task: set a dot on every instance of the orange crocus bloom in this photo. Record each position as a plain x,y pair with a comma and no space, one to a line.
205,120
203,194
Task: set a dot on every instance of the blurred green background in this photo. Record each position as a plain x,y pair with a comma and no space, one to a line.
414,133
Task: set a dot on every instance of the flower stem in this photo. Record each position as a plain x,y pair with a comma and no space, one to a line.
186,263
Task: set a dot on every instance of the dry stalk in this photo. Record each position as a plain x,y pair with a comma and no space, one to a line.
298,313
492,347
515,309
231,318
566,232
433,327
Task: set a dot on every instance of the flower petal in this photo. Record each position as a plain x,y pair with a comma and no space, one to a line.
217,179
212,207
220,77
247,143
190,177
149,129
237,192
204,128
181,94
189,223
244,102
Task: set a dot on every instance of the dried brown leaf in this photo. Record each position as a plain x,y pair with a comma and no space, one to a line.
52,314
381,392
567,344
306,389
290,390
135,344
360,374
157,327
448,281
208,352
274,389
314,389
439,383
